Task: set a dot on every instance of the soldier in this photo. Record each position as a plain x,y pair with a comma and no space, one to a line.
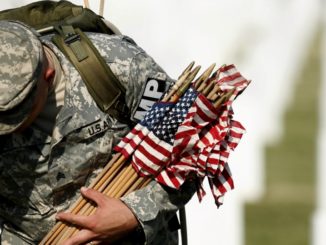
54,139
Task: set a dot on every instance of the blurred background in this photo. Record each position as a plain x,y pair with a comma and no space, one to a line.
278,167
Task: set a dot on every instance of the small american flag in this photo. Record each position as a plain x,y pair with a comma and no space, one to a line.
153,117
150,142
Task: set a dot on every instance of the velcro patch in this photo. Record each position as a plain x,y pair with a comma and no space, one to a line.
152,92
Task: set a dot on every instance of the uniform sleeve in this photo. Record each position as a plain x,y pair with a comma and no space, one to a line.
146,84
155,205
144,80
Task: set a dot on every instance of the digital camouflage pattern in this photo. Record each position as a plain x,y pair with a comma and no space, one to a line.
21,57
41,174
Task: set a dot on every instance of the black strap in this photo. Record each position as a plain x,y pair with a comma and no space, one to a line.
101,83
183,223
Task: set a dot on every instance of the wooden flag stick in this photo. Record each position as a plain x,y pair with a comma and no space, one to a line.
145,183
124,188
186,74
101,10
205,75
214,97
118,164
86,3
121,180
188,69
224,98
213,92
186,84
203,85
137,185
175,87
107,179
215,76
219,101
208,88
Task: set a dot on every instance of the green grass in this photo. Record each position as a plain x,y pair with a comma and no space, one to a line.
283,216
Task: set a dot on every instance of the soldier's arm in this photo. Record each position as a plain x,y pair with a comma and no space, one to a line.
154,205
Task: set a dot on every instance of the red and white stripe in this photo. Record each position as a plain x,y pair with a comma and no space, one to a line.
132,140
200,115
151,155
221,184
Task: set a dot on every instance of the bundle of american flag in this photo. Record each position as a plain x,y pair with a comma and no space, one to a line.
188,135
191,137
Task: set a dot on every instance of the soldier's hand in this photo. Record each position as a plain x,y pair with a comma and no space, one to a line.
111,221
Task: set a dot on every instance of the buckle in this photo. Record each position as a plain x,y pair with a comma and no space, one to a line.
71,37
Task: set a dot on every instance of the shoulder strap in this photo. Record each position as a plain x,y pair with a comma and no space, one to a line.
100,81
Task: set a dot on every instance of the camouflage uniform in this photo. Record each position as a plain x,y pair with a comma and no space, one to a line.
41,174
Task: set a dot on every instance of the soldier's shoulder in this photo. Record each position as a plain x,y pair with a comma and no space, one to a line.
118,46
115,38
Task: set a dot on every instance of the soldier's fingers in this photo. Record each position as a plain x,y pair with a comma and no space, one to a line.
74,219
93,195
81,237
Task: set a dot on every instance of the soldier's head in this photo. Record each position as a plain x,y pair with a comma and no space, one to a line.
24,76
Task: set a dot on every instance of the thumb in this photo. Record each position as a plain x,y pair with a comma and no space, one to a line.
93,195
